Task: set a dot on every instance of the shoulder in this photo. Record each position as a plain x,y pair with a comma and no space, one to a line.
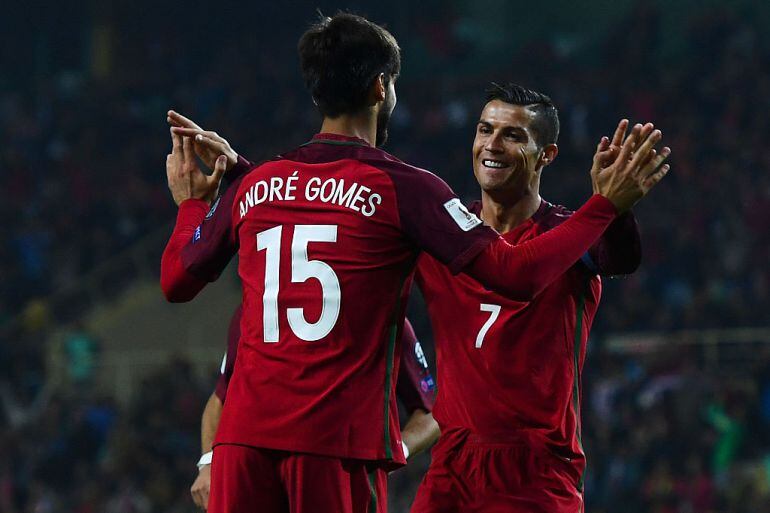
550,216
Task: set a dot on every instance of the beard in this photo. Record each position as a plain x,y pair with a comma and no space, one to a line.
383,119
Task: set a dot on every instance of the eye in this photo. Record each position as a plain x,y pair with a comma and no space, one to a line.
484,129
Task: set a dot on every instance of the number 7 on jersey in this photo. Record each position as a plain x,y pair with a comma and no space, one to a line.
494,311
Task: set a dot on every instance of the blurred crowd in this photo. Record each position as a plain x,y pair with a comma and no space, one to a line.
82,174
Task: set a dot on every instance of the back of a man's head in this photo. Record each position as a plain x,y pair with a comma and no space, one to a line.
341,57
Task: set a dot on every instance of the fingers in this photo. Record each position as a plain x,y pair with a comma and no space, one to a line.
205,138
169,167
644,134
178,120
656,177
219,168
603,144
176,144
210,143
655,163
195,492
652,154
641,155
205,499
186,131
605,158
629,143
620,133
188,151
196,132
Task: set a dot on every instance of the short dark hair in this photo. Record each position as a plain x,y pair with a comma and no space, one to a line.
341,57
545,126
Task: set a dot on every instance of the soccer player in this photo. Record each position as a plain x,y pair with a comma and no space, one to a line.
327,236
509,401
415,389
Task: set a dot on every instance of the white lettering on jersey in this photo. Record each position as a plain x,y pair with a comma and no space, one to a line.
331,191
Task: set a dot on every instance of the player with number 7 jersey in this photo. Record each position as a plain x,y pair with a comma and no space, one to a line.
509,371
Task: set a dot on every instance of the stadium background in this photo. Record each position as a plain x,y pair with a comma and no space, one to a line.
102,384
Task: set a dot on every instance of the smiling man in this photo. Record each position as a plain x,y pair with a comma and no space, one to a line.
509,371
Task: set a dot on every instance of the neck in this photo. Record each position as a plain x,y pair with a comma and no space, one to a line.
363,126
504,216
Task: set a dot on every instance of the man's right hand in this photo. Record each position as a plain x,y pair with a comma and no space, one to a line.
208,145
200,487
636,169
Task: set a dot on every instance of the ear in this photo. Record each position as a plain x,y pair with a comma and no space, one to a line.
378,90
549,154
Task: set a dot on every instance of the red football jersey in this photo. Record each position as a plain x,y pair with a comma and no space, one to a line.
415,387
511,370
328,236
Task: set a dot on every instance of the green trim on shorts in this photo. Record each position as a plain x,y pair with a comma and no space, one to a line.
372,491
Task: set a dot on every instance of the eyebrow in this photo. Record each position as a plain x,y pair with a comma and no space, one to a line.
507,127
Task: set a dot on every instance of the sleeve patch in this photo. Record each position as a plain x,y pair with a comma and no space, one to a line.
464,219
427,384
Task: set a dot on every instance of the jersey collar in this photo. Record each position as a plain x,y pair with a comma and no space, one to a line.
540,213
337,140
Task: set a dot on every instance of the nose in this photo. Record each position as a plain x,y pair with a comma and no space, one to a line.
493,144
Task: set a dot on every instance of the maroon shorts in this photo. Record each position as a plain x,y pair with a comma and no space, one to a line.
247,479
468,474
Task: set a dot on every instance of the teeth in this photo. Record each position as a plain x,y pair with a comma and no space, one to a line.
493,163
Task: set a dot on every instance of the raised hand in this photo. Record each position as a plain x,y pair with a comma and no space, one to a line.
208,145
624,179
185,179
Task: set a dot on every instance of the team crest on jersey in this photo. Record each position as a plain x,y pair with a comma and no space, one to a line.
197,234
464,219
427,384
213,208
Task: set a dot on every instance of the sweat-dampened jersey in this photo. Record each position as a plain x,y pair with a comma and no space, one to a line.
415,386
510,370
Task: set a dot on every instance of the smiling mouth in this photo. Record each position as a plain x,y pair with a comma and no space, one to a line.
493,164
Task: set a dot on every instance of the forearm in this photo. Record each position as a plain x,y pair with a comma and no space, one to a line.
420,431
619,250
177,283
522,271
209,422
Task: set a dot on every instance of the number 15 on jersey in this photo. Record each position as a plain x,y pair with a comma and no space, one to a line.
302,270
